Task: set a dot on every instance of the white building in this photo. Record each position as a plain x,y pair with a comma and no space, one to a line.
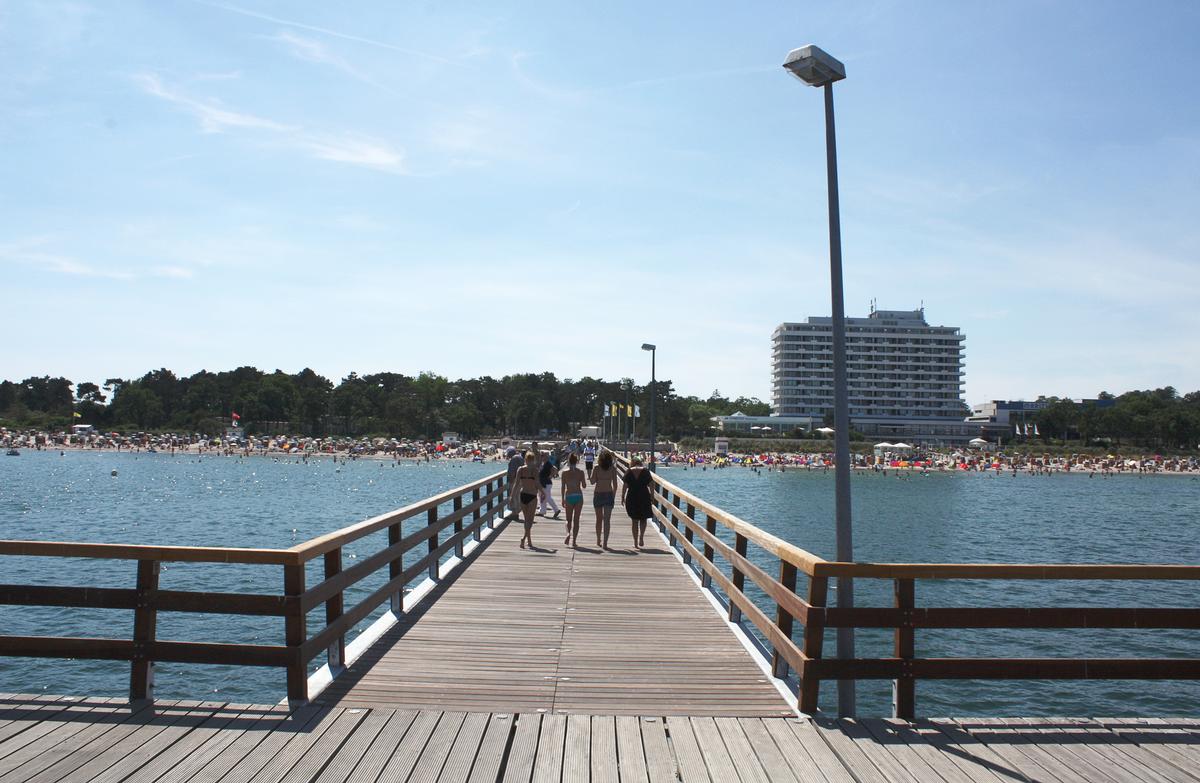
754,425
905,377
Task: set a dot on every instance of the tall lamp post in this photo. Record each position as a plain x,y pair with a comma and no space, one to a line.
653,394
816,68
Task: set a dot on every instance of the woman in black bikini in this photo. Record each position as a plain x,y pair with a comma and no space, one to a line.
636,498
526,484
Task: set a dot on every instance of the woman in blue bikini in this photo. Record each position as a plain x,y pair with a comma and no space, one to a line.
573,482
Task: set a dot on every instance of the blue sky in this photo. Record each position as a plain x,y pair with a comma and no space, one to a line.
488,188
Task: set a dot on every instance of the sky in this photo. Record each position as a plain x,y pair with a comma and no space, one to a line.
489,188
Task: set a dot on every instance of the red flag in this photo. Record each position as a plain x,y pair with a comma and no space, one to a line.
234,415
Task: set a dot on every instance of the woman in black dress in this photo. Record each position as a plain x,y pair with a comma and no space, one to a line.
636,497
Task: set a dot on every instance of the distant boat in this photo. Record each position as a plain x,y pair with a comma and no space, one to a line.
12,453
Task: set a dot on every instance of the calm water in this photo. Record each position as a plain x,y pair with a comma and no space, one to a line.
984,518
959,518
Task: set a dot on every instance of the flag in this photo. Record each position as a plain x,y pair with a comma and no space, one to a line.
1035,432
77,415
235,416
637,412
613,406
628,410
606,411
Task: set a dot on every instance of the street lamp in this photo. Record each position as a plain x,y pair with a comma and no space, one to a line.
817,68
653,394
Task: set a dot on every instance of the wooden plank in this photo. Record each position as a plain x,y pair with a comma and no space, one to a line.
488,763
304,756
606,761
800,758
937,750
1033,761
631,755
745,760
996,752
66,756
180,554
687,752
466,749
36,734
548,764
155,752
410,749
523,752
203,746
343,763
716,756
824,732
660,761
898,770
437,749
577,765
767,751
304,724
379,752
1159,740
911,751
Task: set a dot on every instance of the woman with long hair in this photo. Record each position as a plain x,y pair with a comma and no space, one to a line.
525,486
604,480
573,482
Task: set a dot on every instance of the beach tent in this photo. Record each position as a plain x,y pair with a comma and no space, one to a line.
884,445
826,430
901,447
977,442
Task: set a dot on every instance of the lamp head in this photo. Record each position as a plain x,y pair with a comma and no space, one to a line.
647,347
814,66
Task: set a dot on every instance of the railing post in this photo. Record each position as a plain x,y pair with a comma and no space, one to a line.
475,516
691,512
432,519
395,568
783,618
333,609
814,639
458,527
295,634
145,622
739,578
710,525
904,694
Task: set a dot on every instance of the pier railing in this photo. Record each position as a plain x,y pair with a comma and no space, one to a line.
693,527
473,506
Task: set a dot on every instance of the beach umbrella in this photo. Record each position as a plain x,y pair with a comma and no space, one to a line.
825,429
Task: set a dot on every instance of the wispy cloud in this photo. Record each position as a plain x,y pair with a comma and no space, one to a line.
32,252
213,117
329,32
314,51
354,149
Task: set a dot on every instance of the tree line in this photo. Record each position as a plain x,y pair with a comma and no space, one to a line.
1158,418
388,404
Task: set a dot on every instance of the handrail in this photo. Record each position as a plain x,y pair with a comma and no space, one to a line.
475,505
677,512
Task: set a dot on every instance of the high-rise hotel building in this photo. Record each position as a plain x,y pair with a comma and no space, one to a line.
905,377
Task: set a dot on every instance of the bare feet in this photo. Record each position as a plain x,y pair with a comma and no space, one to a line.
567,540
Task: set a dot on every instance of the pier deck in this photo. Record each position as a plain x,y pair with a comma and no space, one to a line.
52,739
562,630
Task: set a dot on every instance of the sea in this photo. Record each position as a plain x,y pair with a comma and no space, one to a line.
898,517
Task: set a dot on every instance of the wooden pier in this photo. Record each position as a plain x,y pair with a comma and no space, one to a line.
563,664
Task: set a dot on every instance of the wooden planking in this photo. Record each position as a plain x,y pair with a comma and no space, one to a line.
563,630
206,742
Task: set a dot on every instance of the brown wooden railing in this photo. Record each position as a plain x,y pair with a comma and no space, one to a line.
692,526
474,505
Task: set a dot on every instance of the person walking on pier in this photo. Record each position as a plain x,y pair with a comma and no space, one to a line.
589,457
546,485
635,496
515,462
573,482
525,487
604,480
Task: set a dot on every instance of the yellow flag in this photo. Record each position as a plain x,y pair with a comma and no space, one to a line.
628,410
78,415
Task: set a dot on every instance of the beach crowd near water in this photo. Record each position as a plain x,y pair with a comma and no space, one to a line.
918,459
